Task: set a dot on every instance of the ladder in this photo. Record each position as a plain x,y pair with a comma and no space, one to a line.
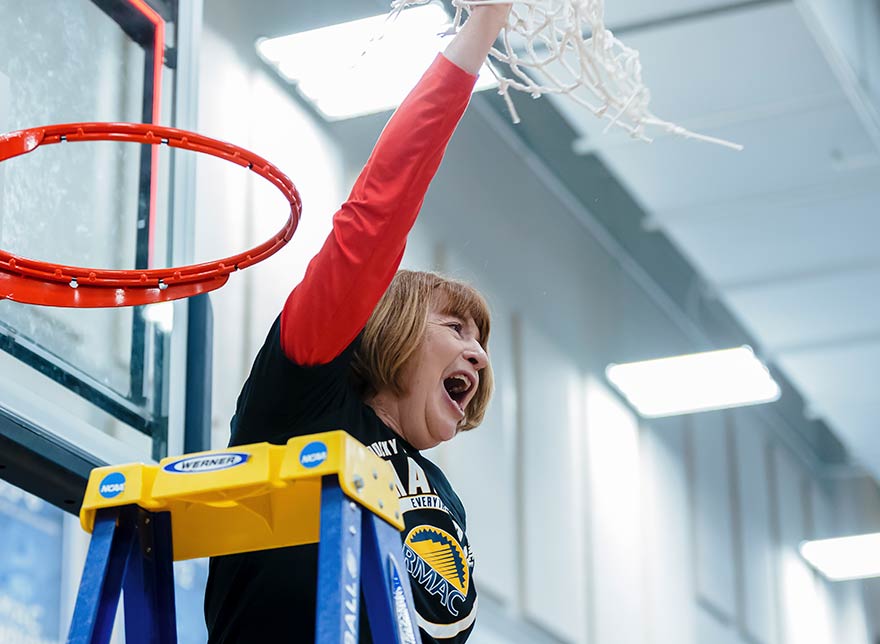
326,488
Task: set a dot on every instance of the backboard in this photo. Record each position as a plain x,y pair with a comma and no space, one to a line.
98,379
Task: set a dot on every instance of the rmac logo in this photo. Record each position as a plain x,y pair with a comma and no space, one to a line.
112,485
206,463
313,454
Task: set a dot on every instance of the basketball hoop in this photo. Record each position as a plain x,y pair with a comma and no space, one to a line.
35,282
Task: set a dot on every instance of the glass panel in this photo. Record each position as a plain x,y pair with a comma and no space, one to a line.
74,203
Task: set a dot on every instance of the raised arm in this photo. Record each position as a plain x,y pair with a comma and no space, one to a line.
346,279
471,44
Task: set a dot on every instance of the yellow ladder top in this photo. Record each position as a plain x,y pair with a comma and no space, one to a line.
250,497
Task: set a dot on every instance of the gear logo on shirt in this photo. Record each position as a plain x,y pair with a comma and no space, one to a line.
437,562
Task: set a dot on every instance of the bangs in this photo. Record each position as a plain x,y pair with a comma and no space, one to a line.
463,301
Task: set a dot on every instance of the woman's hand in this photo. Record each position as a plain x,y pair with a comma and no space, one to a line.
499,10
471,44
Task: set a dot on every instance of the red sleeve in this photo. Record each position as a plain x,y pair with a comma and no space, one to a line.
346,279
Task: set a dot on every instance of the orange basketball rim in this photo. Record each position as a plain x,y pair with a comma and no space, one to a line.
36,282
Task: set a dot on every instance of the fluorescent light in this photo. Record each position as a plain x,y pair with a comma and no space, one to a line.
364,66
845,558
694,382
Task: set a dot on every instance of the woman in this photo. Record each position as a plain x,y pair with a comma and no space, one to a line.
401,376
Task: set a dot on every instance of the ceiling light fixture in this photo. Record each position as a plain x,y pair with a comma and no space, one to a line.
844,558
694,382
363,66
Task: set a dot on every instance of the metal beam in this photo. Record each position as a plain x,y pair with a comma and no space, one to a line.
764,280
828,344
860,183
694,15
42,464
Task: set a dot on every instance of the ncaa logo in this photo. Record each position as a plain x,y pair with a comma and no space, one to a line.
313,454
112,485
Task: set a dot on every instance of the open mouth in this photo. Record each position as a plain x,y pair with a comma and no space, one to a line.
458,386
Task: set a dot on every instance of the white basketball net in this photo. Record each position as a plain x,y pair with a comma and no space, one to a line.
546,38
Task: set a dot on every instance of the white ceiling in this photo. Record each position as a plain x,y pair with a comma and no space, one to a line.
786,231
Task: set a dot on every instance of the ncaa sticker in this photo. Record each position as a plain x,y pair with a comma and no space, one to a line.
112,485
313,454
207,463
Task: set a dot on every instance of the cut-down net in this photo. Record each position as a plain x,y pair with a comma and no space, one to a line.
563,47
